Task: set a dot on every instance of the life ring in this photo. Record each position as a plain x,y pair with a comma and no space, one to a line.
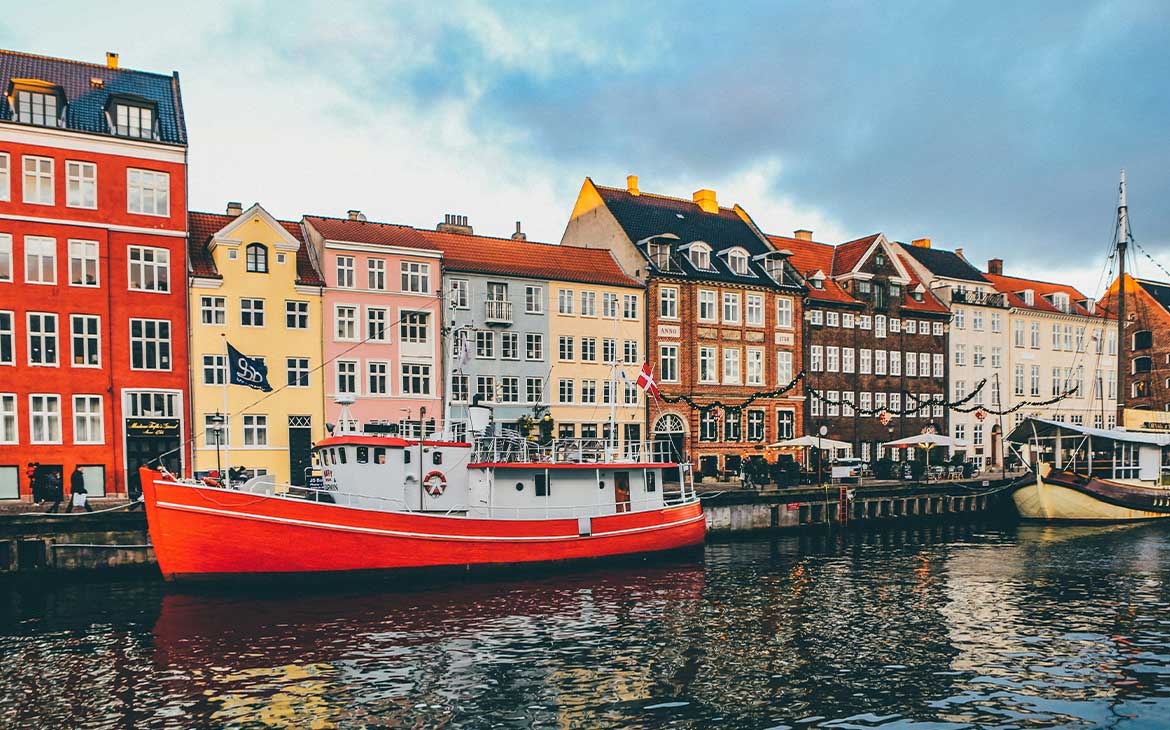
435,483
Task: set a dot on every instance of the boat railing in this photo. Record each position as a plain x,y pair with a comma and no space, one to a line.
601,509
513,449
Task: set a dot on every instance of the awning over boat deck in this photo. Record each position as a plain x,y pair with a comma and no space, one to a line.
1031,427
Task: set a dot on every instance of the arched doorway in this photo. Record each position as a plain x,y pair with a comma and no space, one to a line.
669,434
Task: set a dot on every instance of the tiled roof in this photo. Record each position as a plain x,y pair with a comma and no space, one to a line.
202,226
528,259
86,101
1156,289
809,257
941,262
369,232
1013,285
848,254
646,214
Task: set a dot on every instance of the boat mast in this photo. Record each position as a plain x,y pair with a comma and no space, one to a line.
1122,244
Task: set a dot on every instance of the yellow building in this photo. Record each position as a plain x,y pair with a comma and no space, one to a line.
597,334
254,284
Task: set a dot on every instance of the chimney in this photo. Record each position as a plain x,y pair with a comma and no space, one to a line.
519,234
995,266
234,208
632,185
802,234
111,60
453,223
354,215
705,199
959,253
921,242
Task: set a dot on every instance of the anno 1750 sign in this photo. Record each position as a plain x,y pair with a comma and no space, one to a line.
152,427
1141,420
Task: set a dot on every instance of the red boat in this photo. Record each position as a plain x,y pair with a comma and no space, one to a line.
389,503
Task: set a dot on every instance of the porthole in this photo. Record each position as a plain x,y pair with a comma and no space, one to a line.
519,486
601,485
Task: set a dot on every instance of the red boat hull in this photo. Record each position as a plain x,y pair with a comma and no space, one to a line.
205,532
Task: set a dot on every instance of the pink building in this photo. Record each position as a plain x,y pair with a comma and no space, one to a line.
381,322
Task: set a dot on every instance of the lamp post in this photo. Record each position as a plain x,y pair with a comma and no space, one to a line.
821,433
217,420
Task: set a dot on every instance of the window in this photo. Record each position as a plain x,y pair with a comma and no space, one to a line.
960,354
565,390
630,352
755,366
7,338
134,121
784,312
832,359
377,329
5,177
45,419
565,346
460,294
737,261
150,269
42,339
534,299
832,319
347,376
1035,341
565,301
911,365
509,389
816,358
1035,380
5,257
1018,333
754,310
459,388
668,363
707,306
416,379
80,184
150,344
609,351
924,364
895,363
977,357
785,424
996,357
700,257
937,361
938,329
256,258
376,373
588,391
83,263
589,304
214,370
731,366
86,350
38,180
8,430
416,277
630,394
977,320
911,327
833,403
732,426
40,260
847,359
995,321
485,344
629,306
88,420
376,274
297,372
783,367
148,192
865,361
879,326
533,346
345,272
707,371
255,430
895,324
212,310
879,362
252,312
296,315
708,426
588,349
534,390
415,327
509,346
730,308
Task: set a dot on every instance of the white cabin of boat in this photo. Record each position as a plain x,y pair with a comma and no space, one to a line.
1117,455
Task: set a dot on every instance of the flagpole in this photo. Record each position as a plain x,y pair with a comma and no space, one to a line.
227,432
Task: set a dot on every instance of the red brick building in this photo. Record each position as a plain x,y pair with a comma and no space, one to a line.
874,336
723,317
1144,380
93,315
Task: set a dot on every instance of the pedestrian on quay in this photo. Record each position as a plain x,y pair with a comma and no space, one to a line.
55,490
78,497
33,472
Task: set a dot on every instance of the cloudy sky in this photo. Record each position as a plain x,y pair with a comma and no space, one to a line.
996,127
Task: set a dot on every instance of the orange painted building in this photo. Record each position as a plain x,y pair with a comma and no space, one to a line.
93,306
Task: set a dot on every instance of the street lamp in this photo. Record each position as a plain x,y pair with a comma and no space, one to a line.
217,421
821,433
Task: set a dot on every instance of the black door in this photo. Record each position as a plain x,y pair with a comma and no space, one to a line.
142,450
300,442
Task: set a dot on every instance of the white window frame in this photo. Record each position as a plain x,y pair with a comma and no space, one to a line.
213,308
297,371
383,334
82,176
668,302
460,294
345,271
346,370
415,277
34,414
255,429
9,419
345,328
143,260
8,334
56,337
297,309
94,340
754,310
88,420
533,299
252,310
378,369
5,177
143,183
89,254
731,308
755,366
42,179
161,344
784,313
7,263
413,375
708,299
668,354
783,367
732,366
45,242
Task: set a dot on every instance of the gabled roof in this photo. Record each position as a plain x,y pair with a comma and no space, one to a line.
850,253
202,226
1159,291
1012,285
941,262
809,257
369,232
527,259
86,101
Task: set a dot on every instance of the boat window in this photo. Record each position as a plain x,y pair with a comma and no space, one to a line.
341,454
379,455
542,485
519,486
437,457
601,484
406,456
363,455
651,479
330,457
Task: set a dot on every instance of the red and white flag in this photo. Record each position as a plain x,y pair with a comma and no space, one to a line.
646,381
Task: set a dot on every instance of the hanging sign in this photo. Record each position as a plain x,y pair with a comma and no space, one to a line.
151,427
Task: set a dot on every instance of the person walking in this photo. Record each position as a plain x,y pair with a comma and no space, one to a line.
55,491
78,497
33,472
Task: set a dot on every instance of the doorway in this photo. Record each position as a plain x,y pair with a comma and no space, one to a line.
144,449
621,490
300,444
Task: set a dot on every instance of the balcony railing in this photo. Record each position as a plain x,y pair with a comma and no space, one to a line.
982,298
497,311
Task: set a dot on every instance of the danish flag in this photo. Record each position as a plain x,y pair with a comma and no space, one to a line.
646,381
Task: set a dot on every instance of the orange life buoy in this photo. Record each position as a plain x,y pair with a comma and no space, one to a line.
435,483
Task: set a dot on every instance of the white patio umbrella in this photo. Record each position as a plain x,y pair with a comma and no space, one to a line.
926,441
812,442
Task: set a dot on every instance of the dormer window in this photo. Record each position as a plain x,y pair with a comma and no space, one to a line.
1060,301
256,258
660,255
817,280
700,256
1029,297
879,260
917,294
896,291
133,120
42,108
737,261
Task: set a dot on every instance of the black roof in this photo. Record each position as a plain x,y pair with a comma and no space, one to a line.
944,263
86,101
1159,291
645,215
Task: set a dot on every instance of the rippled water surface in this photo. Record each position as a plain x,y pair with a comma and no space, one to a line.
939,627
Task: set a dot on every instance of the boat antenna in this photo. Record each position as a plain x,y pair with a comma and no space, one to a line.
1122,244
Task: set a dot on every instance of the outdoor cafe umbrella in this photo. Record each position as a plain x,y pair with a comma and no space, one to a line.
812,442
926,441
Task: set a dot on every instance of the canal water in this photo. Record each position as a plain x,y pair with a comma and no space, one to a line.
932,627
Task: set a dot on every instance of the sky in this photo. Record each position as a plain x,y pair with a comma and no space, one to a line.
998,128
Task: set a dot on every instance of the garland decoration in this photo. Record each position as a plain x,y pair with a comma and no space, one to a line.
733,408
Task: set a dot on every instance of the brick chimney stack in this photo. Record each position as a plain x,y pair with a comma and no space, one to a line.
519,235
995,266
234,208
802,234
454,223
